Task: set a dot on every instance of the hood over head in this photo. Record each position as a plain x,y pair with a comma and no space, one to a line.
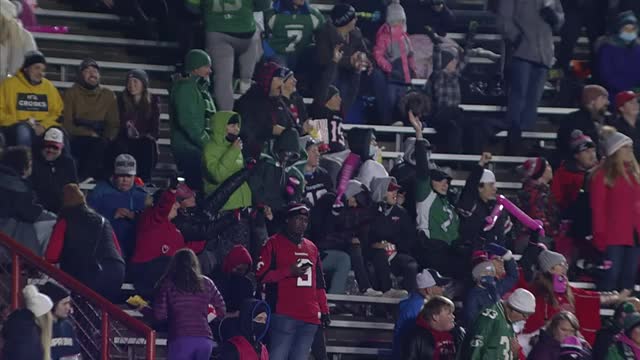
218,125
369,170
379,187
359,140
237,256
249,309
287,141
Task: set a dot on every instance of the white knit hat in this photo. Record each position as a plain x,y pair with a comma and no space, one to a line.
395,13
39,304
614,142
523,301
488,177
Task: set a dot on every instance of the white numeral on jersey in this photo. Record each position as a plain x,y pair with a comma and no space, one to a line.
294,37
507,348
305,280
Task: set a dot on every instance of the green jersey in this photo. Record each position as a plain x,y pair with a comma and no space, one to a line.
229,16
490,338
290,33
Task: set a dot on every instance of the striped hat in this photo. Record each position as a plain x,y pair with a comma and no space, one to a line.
533,168
580,142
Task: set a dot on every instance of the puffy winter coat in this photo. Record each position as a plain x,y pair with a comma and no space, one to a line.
394,54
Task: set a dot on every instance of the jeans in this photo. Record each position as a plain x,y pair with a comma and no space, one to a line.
338,264
20,134
190,164
319,346
189,348
525,92
359,268
402,264
624,267
291,339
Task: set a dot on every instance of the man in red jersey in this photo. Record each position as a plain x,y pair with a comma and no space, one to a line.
291,269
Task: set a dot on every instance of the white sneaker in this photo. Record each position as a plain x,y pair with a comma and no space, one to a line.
371,292
396,293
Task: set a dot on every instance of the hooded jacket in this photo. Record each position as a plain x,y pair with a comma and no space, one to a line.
190,107
21,337
394,54
156,235
91,111
222,159
248,345
21,100
390,224
270,178
235,288
567,182
48,178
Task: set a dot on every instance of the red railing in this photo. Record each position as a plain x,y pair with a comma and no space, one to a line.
108,312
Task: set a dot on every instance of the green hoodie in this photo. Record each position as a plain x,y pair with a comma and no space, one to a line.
191,107
221,160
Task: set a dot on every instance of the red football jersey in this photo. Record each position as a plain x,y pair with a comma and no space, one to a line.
302,298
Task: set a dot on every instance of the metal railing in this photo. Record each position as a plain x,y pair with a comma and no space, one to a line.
97,321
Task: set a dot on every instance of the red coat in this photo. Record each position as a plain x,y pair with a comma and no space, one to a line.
566,185
156,236
615,211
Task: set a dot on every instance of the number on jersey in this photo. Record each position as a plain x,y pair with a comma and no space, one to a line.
305,280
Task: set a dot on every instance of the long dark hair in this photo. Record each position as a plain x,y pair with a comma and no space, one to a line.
184,272
129,103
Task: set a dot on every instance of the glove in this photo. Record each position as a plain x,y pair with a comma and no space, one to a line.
325,319
549,16
500,251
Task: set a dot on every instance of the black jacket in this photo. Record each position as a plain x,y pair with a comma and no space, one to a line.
420,345
298,111
420,14
197,225
580,120
392,225
22,337
18,200
316,185
328,37
49,177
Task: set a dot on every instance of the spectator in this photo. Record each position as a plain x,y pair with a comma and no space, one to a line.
371,15
476,203
86,246
563,325
15,43
21,217
628,114
554,294
64,342
52,170
528,26
231,34
266,116
287,18
435,334
276,181
30,103
91,118
223,158
299,119
493,334
233,281
139,122
191,108
27,332
432,13
535,200
437,219
627,345
614,327
363,143
120,200
617,56
157,239
615,185
255,316
391,239
295,287
589,119
429,285
342,30
394,55
183,297
317,181
489,288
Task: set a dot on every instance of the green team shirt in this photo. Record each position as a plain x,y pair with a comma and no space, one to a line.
229,16
490,338
291,33
436,217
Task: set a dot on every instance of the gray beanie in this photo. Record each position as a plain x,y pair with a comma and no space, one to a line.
613,142
479,270
548,259
395,13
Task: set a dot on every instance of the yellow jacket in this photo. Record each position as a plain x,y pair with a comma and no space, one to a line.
20,100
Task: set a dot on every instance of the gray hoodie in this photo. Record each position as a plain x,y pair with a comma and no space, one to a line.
379,186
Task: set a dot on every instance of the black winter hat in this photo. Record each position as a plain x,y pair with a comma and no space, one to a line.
88,62
140,75
342,14
54,291
332,91
33,57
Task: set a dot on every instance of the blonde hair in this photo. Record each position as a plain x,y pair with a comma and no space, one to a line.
614,166
45,322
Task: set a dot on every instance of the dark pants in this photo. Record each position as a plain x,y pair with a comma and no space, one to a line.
591,14
146,275
291,339
108,281
144,150
525,92
20,134
190,164
319,346
402,264
387,96
438,255
624,268
89,153
359,268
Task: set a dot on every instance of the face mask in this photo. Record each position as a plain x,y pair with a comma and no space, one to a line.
231,137
628,36
258,328
488,281
373,150
559,284
518,326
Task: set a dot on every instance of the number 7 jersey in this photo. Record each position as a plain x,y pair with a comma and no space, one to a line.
290,33
302,298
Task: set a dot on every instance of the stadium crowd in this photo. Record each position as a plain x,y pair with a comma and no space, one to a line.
274,203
